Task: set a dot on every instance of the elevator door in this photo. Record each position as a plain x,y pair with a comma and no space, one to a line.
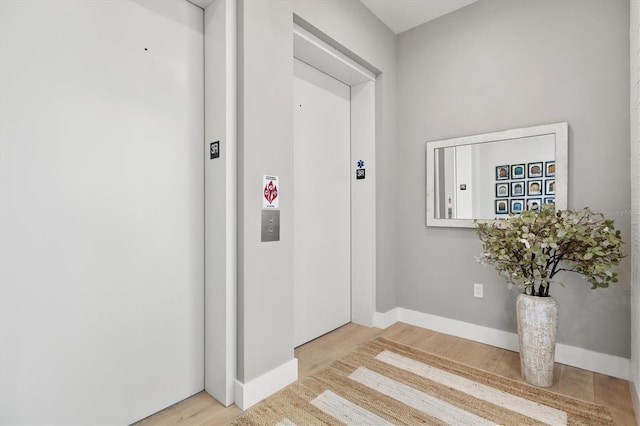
322,203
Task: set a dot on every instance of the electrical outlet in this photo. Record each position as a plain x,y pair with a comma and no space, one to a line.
478,290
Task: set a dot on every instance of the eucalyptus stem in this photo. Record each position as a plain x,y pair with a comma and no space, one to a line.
531,248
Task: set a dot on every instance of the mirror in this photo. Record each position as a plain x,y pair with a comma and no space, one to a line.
488,176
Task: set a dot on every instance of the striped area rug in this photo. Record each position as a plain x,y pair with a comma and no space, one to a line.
386,383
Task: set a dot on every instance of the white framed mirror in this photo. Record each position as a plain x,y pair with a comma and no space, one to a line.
486,177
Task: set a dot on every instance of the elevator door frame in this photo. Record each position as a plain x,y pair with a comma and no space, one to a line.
309,48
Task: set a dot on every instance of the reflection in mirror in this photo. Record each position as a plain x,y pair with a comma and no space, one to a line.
466,188
489,176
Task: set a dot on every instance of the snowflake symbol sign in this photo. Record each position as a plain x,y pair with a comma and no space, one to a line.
360,164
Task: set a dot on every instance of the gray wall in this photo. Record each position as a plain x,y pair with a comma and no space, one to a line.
501,64
265,146
265,135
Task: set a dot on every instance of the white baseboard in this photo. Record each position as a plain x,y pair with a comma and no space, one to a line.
577,357
248,394
636,400
387,319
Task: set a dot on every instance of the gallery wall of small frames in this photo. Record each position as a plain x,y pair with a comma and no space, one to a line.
524,186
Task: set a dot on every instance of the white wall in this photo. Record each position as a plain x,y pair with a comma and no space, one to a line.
220,200
490,155
101,215
464,172
450,169
634,36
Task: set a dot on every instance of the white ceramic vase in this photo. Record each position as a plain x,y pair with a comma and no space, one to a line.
537,328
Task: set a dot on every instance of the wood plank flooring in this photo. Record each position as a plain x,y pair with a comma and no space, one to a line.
612,392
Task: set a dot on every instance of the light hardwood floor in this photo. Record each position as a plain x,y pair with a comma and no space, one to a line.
201,409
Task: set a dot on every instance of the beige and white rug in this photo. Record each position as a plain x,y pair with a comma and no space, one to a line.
386,383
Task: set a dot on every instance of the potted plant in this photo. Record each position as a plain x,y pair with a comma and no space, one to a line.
529,250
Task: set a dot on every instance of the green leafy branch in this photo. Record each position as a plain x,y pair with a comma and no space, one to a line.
531,248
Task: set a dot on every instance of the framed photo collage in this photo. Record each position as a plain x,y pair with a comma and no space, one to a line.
524,186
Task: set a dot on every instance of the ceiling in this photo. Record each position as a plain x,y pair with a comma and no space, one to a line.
402,15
